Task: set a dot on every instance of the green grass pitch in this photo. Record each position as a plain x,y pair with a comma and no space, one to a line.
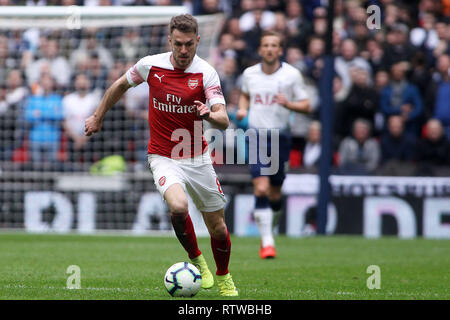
34,266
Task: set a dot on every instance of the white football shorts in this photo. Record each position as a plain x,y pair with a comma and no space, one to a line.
196,175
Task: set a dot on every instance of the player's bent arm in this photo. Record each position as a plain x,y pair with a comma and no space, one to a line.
243,105
112,95
302,106
218,116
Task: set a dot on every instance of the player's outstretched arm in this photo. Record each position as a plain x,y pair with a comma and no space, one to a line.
302,106
112,95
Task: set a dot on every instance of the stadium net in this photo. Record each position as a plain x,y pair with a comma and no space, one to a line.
56,63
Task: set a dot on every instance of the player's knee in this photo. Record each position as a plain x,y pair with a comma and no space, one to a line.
219,231
261,191
179,207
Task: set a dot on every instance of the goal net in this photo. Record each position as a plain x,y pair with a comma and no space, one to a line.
55,65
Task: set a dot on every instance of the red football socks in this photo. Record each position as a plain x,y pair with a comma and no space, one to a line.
184,230
221,249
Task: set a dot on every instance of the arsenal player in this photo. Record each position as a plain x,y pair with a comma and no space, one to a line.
180,85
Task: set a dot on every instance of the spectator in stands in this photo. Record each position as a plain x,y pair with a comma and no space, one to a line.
201,7
433,152
300,122
314,58
11,110
443,43
397,149
374,54
7,61
311,152
89,44
49,55
381,80
131,45
97,72
228,75
294,56
43,116
257,16
349,58
223,49
298,27
361,102
401,97
78,106
437,100
397,48
320,22
359,154
425,36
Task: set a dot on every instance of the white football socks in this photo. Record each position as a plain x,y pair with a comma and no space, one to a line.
263,219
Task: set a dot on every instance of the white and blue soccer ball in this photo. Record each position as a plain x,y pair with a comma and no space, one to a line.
183,280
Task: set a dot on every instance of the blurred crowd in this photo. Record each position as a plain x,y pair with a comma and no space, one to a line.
391,83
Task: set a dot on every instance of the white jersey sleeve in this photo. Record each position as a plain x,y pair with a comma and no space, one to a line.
212,88
139,72
244,86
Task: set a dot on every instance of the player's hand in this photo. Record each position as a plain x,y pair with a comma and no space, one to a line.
202,110
241,114
281,99
91,125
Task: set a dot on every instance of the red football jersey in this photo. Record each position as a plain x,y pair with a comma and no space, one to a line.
175,129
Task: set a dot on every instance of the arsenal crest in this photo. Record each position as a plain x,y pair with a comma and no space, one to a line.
192,83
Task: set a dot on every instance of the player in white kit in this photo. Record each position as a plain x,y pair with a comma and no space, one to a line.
270,91
180,83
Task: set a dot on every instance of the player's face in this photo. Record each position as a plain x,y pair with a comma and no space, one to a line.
270,49
184,47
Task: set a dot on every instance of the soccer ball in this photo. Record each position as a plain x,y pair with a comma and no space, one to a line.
183,280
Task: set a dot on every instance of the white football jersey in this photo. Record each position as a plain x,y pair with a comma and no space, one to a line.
262,89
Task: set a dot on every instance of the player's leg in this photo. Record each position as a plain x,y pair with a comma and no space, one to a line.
181,221
275,203
263,216
221,248
169,181
204,188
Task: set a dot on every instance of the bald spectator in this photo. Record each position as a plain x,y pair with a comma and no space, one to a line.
347,59
397,149
313,147
359,154
433,152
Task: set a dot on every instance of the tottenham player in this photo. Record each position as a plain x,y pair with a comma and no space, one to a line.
270,91
180,83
